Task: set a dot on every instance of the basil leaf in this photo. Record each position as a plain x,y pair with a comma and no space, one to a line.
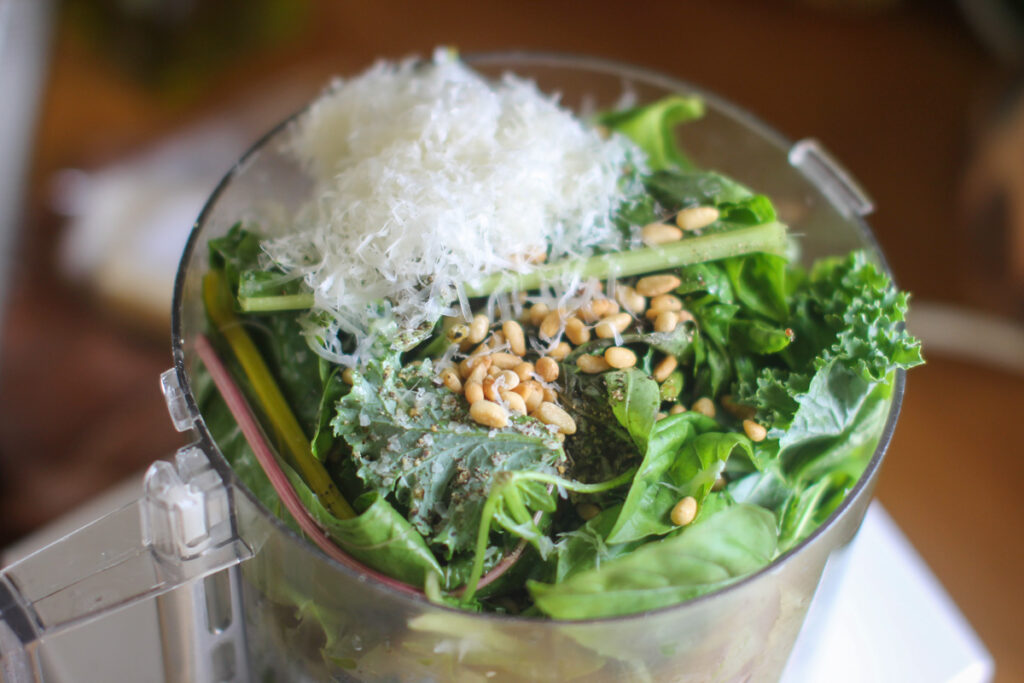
704,557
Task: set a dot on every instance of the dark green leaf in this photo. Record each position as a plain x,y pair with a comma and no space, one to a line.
635,401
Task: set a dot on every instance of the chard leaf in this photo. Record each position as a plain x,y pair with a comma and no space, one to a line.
415,441
635,399
652,127
703,557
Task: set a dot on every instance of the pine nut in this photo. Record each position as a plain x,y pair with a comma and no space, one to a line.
666,321
515,402
661,416
547,369
532,393
505,361
696,217
458,333
513,332
450,378
619,357
490,390
630,300
754,431
496,340
346,376
676,409
493,371
537,314
550,414
550,326
474,392
665,368
549,395
489,414
607,328
686,317
662,303
576,331
654,234
587,511
592,364
479,370
467,364
653,285
719,484
737,410
524,371
478,328
704,406
560,351
684,512
508,379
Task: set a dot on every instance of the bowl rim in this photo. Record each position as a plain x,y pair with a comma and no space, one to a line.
516,59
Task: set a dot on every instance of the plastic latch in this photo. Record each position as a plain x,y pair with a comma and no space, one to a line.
835,182
177,406
186,511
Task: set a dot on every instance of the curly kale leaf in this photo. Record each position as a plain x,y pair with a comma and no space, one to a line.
415,443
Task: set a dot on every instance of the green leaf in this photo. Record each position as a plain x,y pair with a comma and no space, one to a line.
635,400
415,440
676,190
704,557
652,127
585,548
671,469
759,283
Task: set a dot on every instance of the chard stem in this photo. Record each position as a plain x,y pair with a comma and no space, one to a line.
218,299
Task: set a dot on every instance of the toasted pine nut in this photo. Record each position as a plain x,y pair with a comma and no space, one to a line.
508,379
346,376
754,431
505,361
474,392
532,393
619,357
663,369
560,351
666,321
676,409
653,285
550,414
537,314
696,217
489,414
592,364
587,511
684,512
524,371
657,233
457,333
515,402
513,332
493,371
704,406
450,379
478,328
576,331
547,368
490,390
550,325
618,322
549,394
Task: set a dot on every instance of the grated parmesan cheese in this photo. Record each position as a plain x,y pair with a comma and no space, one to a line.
427,176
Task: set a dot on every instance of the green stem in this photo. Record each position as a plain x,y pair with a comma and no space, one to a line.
218,299
767,237
487,515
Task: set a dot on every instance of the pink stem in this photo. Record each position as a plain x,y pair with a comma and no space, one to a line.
239,408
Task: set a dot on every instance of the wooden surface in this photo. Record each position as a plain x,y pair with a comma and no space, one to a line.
894,94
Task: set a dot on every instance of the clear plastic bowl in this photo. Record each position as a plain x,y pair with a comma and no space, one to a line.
307,617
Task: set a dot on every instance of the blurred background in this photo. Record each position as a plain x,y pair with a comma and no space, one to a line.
119,116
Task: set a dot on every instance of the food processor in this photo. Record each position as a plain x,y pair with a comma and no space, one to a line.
241,596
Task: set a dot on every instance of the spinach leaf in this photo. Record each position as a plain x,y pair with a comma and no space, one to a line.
652,126
703,557
677,463
416,441
635,399
585,548
675,189
759,283
707,277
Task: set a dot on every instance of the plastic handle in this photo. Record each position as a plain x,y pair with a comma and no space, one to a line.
180,530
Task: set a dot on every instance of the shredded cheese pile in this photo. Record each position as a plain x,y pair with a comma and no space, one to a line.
428,176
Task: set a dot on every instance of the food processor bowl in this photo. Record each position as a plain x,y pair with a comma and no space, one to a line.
299,615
